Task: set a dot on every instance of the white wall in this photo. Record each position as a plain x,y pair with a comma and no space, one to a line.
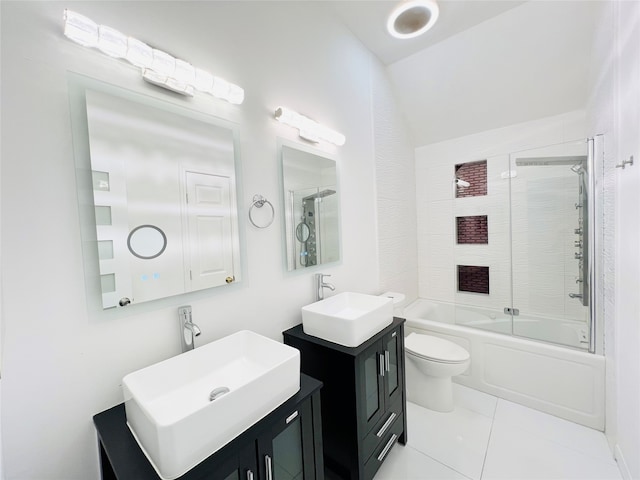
62,365
437,250
613,110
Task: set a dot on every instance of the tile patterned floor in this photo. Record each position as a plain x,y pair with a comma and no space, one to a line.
487,438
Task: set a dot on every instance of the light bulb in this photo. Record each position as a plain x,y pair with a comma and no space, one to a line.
184,72
80,29
112,42
163,63
220,88
203,80
139,53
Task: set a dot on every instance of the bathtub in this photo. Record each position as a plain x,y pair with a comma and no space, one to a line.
562,381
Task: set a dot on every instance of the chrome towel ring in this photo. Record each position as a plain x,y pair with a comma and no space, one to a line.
259,201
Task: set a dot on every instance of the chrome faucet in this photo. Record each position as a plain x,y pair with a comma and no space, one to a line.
188,330
321,285
575,295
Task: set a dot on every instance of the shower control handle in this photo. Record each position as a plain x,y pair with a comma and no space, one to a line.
578,243
575,295
577,256
578,231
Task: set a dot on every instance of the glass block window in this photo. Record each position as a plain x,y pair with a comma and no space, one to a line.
473,279
471,179
474,229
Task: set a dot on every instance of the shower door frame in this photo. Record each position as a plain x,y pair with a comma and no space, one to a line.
595,163
593,237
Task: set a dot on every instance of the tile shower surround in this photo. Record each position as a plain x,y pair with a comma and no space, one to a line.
476,174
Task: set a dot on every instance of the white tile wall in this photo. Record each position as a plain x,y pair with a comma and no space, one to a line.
395,192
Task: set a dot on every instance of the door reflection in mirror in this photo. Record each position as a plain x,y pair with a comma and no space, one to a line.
311,205
164,196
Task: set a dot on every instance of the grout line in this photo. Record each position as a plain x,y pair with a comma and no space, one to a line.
438,461
486,452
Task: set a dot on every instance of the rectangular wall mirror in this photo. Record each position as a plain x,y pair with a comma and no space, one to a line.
163,184
312,208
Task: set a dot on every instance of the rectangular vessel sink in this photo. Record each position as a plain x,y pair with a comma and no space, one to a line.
168,404
347,318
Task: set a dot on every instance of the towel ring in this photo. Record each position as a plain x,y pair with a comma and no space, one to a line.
259,201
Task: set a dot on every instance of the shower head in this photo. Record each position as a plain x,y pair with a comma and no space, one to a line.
322,194
551,161
462,183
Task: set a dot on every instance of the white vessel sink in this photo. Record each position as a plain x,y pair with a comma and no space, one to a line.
347,318
168,404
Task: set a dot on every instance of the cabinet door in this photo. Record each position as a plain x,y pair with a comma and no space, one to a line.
241,465
287,451
371,386
392,344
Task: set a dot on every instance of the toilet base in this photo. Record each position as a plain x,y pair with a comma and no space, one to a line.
434,393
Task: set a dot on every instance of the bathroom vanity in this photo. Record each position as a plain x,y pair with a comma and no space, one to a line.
363,397
289,439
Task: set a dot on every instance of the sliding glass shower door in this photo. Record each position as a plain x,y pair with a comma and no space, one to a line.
550,208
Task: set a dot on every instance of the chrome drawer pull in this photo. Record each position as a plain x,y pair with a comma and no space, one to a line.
386,360
381,364
291,417
249,475
387,447
267,466
386,425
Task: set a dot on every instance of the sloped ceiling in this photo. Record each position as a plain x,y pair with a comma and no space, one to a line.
367,20
525,62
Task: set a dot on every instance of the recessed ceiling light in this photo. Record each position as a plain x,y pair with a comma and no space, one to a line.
413,18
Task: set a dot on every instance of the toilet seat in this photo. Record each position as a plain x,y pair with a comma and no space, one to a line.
434,349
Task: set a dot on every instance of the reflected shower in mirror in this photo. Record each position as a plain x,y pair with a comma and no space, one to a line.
311,206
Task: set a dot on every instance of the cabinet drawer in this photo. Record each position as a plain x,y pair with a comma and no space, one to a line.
390,438
381,430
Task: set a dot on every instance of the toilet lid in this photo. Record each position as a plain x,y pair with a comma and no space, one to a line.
435,348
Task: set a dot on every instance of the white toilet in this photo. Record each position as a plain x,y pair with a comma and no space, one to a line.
431,362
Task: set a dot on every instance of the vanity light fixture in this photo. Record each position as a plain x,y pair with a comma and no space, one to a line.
158,67
307,128
413,18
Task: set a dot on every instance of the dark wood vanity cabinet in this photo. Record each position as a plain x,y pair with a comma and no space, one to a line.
285,445
363,397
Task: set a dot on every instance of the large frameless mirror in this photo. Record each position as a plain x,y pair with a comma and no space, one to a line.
159,182
311,207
